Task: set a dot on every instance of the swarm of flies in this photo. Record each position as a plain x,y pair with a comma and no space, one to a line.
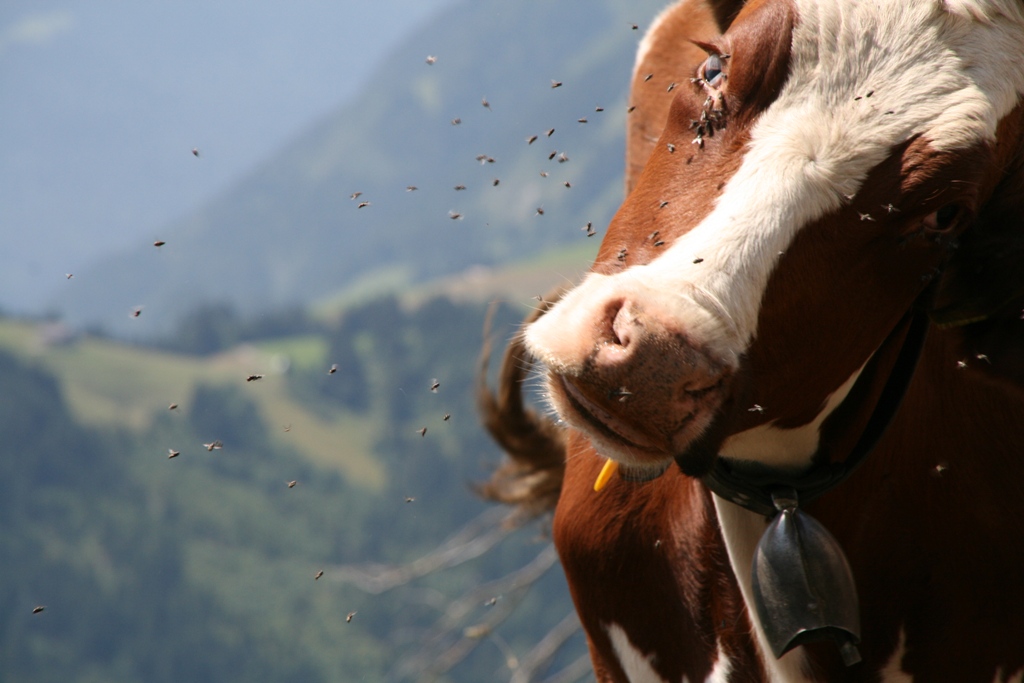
709,120
712,115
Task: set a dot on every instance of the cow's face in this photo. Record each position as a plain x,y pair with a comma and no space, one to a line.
807,186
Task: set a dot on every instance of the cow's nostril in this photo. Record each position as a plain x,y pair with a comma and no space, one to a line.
623,326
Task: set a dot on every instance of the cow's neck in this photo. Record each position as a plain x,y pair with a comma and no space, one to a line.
957,424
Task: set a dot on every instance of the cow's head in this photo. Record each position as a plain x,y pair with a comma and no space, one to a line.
817,165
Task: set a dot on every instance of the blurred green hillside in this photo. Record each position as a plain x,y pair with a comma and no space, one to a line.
202,567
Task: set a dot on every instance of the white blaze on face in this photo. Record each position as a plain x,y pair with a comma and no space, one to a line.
946,73
816,143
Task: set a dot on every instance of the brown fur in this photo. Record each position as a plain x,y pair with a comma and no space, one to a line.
652,575
669,60
983,291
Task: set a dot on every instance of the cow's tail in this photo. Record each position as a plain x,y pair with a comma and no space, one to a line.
531,476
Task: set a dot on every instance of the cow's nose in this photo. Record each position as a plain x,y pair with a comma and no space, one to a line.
626,370
618,335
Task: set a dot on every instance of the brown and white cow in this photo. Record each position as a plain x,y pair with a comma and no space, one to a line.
820,170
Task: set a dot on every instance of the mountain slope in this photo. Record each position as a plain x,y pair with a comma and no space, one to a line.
102,103
289,233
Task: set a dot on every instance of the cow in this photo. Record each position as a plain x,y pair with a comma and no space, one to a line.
817,275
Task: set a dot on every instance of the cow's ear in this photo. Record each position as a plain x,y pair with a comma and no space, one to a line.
981,295
667,55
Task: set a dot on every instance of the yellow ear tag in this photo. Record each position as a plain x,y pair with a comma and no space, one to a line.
610,468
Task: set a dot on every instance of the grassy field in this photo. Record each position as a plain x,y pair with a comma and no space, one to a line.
109,384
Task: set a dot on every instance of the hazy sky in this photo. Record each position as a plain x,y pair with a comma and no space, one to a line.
101,104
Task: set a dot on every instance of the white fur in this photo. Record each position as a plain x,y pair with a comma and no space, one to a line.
786,448
638,667
893,671
741,530
635,664
722,668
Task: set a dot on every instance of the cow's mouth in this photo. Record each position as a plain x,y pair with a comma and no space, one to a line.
599,421
641,434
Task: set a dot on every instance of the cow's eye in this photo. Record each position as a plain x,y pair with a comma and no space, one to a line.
943,219
712,71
